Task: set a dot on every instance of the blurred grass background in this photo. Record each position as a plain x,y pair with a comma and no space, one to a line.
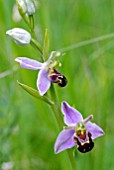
28,128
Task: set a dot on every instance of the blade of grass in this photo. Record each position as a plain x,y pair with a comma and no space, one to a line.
86,42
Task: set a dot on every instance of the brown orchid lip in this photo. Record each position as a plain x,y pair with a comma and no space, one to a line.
84,146
56,77
62,81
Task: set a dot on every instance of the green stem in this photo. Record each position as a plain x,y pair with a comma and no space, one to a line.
26,18
72,160
36,45
31,26
34,41
57,112
31,23
55,107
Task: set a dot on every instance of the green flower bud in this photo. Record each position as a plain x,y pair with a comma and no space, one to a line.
21,6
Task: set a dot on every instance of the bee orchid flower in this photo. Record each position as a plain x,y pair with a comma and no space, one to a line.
47,73
79,132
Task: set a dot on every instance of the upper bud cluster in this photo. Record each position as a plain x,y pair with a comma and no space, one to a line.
26,6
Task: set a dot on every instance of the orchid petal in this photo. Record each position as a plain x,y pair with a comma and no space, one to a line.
71,115
43,83
94,129
53,55
64,141
29,63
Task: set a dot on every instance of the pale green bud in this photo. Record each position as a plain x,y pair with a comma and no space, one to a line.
19,36
21,6
30,6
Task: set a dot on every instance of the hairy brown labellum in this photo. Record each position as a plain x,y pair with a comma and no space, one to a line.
85,146
56,77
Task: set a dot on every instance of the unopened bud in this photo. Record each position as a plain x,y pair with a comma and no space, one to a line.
30,7
19,36
21,6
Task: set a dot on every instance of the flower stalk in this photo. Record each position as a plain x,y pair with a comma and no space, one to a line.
37,46
57,113
55,107
31,22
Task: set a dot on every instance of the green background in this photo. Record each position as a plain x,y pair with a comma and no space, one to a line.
28,128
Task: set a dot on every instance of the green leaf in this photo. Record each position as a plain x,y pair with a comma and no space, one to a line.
46,45
35,93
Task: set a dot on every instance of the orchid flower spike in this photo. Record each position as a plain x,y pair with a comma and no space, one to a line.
78,132
47,73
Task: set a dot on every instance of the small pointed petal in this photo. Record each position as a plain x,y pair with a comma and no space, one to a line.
64,141
71,115
29,63
46,44
43,83
94,129
54,54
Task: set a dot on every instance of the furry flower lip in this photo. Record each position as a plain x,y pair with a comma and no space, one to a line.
47,73
57,77
80,135
79,132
